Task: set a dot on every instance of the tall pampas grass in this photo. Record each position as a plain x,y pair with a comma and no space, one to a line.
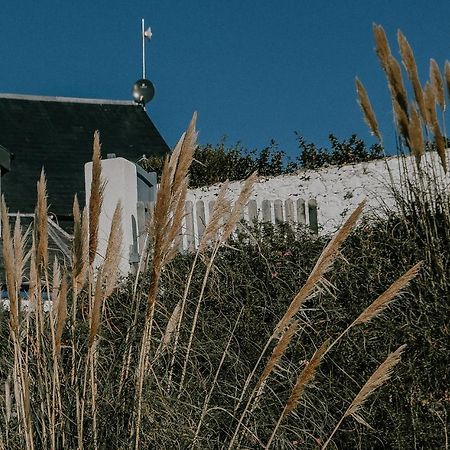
310,287
382,302
410,119
96,197
167,220
437,83
228,228
410,65
382,46
305,377
447,77
376,380
41,229
366,108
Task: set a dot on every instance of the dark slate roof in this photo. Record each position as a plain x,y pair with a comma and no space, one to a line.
5,160
57,133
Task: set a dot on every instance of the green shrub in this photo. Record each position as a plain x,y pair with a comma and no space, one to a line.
217,163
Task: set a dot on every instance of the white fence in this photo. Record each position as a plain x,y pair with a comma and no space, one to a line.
299,211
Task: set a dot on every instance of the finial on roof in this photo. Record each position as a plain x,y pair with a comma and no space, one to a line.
143,89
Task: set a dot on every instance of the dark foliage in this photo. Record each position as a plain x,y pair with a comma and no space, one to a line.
349,151
260,276
218,163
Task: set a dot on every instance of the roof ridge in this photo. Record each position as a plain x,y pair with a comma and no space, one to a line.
44,98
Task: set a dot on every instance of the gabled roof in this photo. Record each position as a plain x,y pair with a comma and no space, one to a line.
5,160
57,133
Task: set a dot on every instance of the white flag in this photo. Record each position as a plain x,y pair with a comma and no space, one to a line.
148,33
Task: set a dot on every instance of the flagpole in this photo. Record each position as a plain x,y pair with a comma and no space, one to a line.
143,49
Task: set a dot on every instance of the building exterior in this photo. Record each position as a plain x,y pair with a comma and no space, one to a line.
56,133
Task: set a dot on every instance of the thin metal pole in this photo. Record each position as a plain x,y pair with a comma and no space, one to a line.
143,49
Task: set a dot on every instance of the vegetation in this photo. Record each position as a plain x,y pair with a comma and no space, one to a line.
214,164
267,337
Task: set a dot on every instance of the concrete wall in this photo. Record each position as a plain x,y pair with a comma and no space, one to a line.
121,184
336,191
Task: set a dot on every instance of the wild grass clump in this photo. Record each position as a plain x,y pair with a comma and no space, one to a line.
275,340
137,366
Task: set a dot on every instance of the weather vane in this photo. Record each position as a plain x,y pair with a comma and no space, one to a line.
143,89
146,34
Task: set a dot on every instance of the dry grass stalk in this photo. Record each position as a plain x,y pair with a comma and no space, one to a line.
171,326
411,69
376,380
305,377
107,274
381,46
381,302
397,86
10,270
384,300
169,208
41,228
33,276
113,252
437,83
96,197
430,104
322,265
216,377
80,256
440,144
167,219
19,243
277,353
242,200
56,284
222,207
61,314
366,108
20,370
447,77
416,142
96,310
227,230
401,119
433,123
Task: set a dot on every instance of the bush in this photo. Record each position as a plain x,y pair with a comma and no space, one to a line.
217,163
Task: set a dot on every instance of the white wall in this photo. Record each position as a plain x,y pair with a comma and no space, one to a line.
121,184
337,190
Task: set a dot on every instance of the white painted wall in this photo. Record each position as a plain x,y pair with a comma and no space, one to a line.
121,184
337,190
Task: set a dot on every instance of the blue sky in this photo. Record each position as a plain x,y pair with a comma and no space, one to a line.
254,70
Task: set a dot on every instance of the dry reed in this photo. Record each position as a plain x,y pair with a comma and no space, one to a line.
411,69
322,265
41,229
96,197
382,46
376,380
416,142
305,377
447,77
366,108
437,83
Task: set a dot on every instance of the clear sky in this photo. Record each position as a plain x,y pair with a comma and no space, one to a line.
254,70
